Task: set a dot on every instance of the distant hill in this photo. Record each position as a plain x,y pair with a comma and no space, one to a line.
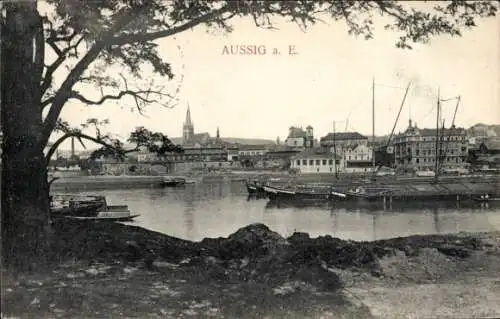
484,130
235,140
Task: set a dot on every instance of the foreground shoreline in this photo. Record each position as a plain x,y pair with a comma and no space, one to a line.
102,270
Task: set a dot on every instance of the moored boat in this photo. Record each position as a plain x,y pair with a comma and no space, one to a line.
255,187
88,207
305,194
370,194
86,210
115,216
487,199
173,181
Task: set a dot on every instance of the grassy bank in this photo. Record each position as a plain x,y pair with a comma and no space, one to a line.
101,270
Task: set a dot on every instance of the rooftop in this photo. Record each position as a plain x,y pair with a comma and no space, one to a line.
414,130
296,132
245,147
344,136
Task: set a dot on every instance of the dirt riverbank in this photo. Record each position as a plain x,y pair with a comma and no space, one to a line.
100,270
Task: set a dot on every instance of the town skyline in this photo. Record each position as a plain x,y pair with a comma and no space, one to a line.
261,96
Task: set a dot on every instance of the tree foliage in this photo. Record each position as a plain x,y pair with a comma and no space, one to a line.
95,35
89,38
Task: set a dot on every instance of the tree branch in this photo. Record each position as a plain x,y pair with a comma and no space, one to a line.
39,50
130,38
135,94
62,56
76,134
64,92
47,102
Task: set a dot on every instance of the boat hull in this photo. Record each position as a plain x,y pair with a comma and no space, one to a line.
173,183
103,218
85,210
255,189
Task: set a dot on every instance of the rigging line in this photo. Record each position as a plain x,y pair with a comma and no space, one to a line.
428,113
450,129
399,113
395,123
451,99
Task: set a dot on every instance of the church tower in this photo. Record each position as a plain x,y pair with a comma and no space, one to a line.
187,128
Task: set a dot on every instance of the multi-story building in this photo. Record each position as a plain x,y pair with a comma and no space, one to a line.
353,148
300,139
316,161
485,154
415,149
252,150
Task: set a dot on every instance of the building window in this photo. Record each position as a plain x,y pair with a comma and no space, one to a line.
298,162
304,162
324,162
311,162
337,162
318,162
418,160
330,162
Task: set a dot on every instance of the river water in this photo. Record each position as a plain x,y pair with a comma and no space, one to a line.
217,209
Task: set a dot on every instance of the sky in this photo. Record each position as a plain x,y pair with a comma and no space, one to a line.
327,84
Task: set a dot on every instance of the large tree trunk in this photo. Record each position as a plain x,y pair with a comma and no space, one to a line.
25,206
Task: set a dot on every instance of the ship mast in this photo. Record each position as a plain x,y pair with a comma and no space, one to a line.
373,123
334,152
437,157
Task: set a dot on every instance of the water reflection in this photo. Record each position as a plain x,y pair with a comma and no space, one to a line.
218,209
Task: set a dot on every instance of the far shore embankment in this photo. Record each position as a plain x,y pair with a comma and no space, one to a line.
84,183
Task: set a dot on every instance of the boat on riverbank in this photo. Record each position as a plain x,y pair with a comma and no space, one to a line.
84,210
368,193
453,190
88,207
487,199
169,181
255,187
305,194
114,216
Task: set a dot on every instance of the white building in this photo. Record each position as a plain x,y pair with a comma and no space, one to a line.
252,150
316,161
357,158
353,148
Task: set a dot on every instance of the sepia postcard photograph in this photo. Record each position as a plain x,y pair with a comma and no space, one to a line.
250,159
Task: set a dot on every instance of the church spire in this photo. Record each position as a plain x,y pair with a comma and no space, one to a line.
187,128
218,134
188,117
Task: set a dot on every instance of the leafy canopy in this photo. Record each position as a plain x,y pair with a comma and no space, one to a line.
88,37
